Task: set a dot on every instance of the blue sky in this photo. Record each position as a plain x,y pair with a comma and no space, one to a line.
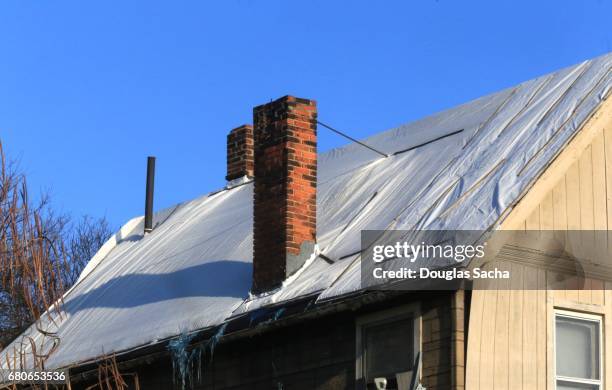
89,89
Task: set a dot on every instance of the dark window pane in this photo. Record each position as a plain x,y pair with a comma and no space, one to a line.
388,348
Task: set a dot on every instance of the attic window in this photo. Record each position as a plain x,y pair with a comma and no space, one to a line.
387,344
578,351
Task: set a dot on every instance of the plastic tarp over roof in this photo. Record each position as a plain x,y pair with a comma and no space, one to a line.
460,169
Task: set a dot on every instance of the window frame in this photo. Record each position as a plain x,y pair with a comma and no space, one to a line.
382,317
591,317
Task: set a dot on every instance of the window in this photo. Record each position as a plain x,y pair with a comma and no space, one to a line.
578,353
387,344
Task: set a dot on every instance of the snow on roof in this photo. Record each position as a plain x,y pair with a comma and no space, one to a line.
459,169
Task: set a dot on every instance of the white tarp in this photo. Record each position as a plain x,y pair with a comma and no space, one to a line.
194,270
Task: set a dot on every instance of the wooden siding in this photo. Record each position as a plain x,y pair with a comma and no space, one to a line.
317,353
509,342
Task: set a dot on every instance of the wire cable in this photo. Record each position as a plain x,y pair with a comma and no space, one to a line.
352,139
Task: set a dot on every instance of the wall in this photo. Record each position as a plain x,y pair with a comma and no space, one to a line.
320,353
510,331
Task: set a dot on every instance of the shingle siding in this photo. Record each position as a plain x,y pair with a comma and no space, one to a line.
320,353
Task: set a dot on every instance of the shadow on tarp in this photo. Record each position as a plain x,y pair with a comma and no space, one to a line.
224,278
521,260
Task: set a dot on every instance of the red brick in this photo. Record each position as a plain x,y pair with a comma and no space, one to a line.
285,159
240,152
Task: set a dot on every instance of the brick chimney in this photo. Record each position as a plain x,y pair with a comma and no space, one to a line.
285,193
240,152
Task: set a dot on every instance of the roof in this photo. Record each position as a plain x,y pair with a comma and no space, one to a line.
463,168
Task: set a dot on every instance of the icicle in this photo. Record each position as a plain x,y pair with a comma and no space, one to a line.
214,340
184,363
309,305
278,314
255,315
181,359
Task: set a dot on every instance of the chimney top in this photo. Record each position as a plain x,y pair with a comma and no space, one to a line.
285,205
240,153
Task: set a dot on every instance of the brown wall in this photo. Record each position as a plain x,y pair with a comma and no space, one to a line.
320,353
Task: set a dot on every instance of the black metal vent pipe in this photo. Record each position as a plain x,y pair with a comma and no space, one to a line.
148,224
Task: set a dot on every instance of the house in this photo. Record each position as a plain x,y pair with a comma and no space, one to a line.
258,285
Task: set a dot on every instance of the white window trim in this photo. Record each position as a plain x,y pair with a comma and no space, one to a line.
585,317
411,310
